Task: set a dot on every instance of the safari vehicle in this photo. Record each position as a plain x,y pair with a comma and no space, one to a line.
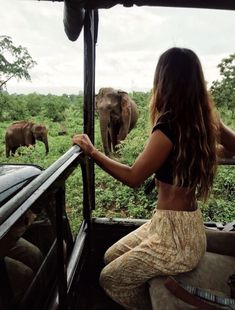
71,265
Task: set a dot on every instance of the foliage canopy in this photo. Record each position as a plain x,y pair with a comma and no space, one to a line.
223,91
15,61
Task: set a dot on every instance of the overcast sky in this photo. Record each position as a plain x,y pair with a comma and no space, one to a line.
129,44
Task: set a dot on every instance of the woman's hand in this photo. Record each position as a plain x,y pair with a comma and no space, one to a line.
84,142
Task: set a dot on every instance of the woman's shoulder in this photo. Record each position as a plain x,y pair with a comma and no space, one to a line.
164,124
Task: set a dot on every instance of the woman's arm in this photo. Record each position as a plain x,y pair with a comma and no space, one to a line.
150,160
227,141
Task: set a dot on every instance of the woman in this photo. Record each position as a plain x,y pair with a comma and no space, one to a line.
181,151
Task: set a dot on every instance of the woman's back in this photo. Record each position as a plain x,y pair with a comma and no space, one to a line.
171,197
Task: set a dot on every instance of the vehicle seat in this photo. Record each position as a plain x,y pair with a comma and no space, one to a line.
211,274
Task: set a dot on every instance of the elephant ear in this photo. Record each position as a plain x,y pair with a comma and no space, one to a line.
122,92
125,107
124,100
34,128
38,129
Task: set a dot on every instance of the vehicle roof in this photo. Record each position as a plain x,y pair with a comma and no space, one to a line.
212,4
74,12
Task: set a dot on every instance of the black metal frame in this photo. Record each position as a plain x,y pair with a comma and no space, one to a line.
53,179
206,4
90,37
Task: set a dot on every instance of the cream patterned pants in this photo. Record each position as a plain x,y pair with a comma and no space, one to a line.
171,242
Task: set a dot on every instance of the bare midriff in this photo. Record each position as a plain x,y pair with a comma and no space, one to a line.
175,198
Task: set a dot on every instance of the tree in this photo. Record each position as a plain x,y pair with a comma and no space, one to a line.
15,62
4,104
54,107
223,91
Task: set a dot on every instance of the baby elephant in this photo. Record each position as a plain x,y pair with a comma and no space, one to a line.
24,133
118,114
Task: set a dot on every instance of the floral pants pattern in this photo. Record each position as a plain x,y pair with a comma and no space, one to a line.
171,242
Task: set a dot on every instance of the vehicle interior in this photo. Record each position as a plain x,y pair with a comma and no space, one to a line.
71,265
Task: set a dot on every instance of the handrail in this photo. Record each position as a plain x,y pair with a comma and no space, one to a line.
226,161
23,200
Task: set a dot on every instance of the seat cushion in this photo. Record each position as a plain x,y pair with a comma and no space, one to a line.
212,274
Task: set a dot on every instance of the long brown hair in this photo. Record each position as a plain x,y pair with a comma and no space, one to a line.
180,96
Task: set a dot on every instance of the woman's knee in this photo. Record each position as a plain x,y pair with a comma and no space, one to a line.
110,277
31,255
115,251
19,275
108,256
104,277
27,253
37,257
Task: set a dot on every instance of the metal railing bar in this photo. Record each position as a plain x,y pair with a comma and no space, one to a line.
89,93
73,261
61,249
226,161
76,254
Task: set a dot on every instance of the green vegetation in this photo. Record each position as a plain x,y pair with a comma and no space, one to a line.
112,198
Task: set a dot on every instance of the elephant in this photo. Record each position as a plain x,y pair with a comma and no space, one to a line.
118,115
24,133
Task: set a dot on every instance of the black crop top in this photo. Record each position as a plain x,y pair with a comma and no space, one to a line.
165,172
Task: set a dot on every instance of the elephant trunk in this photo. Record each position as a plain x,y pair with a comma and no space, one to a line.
104,130
45,141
